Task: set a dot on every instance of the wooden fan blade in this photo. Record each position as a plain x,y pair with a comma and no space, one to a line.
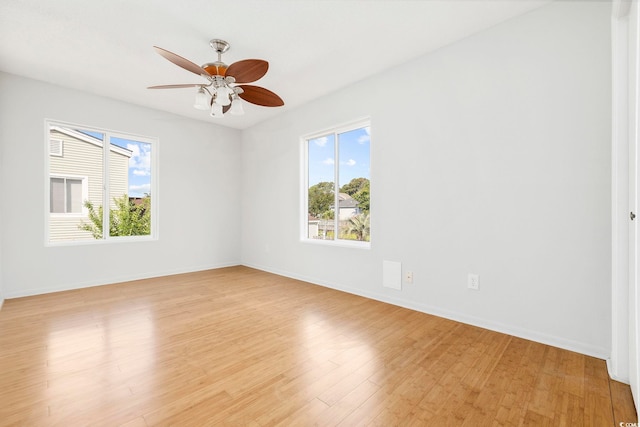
260,96
248,70
174,86
181,62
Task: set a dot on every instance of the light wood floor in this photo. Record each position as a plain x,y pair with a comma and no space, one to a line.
237,346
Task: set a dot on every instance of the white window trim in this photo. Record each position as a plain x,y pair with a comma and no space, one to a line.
155,185
85,196
304,180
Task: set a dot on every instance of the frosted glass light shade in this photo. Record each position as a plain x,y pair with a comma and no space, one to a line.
222,96
236,107
202,100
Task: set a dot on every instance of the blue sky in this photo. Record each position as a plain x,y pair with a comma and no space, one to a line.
353,157
139,165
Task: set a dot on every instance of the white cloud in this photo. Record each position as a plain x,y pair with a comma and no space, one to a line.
142,188
365,138
350,162
321,142
141,172
140,158
328,161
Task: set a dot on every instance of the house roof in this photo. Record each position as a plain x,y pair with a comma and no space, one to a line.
91,140
349,203
346,201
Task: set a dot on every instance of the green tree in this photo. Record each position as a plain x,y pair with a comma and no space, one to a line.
358,188
328,214
355,185
127,219
362,197
358,226
320,198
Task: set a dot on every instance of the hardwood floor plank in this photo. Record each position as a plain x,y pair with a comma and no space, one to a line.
342,407
238,346
307,415
622,401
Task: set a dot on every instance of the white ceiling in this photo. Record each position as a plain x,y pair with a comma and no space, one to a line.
313,47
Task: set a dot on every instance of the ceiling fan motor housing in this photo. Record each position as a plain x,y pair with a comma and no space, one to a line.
217,68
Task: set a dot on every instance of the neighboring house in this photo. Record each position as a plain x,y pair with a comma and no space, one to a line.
75,175
313,227
347,206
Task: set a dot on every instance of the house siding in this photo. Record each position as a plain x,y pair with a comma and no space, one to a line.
85,160
118,177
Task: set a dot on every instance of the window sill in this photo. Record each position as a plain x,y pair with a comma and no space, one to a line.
68,215
110,240
341,243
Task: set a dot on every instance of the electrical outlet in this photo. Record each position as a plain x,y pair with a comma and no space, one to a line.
473,281
408,277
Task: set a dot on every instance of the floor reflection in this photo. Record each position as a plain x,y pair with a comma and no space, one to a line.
100,359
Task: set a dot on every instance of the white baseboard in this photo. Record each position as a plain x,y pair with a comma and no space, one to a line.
613,375
118,279
598,352
554,341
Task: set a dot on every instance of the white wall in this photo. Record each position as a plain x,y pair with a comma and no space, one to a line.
498,150
198,194
2,167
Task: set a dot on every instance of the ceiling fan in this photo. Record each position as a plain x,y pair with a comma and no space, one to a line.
225,83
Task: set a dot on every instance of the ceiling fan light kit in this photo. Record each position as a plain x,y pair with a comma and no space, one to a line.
202,100
225,86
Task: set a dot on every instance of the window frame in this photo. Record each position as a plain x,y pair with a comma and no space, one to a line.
304,180
106,147
85,192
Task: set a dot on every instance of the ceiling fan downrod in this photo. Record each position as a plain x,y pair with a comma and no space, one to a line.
217,68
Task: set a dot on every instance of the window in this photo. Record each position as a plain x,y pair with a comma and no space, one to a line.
99,168
66,195
337,185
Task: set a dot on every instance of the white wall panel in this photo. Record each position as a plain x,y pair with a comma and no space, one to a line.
494,158
199,187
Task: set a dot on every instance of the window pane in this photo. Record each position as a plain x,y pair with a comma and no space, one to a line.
321,178
56,195
354,176
338,176
130,187
74,195
76,177
100,184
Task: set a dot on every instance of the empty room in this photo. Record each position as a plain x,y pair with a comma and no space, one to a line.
296,213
